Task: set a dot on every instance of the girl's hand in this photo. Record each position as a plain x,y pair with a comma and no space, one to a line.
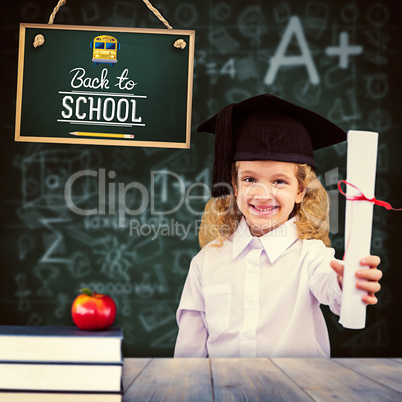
368,277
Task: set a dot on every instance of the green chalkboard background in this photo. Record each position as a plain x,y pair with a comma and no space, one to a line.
158,68
48,251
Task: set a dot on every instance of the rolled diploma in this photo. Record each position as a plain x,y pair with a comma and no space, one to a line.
361,169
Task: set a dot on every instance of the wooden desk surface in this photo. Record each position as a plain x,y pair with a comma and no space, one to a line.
262,379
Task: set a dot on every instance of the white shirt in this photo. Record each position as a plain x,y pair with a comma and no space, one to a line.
258,297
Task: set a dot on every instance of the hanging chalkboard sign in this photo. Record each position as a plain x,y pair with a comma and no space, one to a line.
105,85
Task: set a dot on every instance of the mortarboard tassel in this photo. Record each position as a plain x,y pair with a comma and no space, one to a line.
222,172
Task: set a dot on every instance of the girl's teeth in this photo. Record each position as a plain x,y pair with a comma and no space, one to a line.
264,209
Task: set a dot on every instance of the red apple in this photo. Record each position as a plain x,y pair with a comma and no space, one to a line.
93,311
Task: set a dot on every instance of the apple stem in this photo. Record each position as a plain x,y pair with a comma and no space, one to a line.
87,291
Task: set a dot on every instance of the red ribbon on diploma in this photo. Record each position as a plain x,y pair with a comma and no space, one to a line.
362,197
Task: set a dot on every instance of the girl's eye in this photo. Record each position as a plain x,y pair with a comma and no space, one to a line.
280,182
249,180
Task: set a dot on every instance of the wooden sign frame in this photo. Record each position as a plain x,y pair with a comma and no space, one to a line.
30,96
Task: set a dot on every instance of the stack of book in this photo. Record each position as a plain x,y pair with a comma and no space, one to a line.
54,364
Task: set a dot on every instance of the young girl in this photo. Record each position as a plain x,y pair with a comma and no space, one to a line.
255,288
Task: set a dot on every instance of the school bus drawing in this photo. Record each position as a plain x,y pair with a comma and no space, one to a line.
105,49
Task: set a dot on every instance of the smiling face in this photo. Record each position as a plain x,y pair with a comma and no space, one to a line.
266,192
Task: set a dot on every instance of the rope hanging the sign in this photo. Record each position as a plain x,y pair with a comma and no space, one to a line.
40,39
180,43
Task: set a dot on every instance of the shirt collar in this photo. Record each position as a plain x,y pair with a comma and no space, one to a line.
274,242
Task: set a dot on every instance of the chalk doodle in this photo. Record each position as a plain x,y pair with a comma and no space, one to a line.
25,244
253,24
45,273
186,15
113,260
221,11
156,316
22,292
316,18
63,304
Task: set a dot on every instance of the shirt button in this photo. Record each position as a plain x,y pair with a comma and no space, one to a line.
249,334
251,299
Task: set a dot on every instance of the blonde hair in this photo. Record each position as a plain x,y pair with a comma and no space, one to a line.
222,216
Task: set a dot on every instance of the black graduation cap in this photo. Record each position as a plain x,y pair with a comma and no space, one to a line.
266,127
